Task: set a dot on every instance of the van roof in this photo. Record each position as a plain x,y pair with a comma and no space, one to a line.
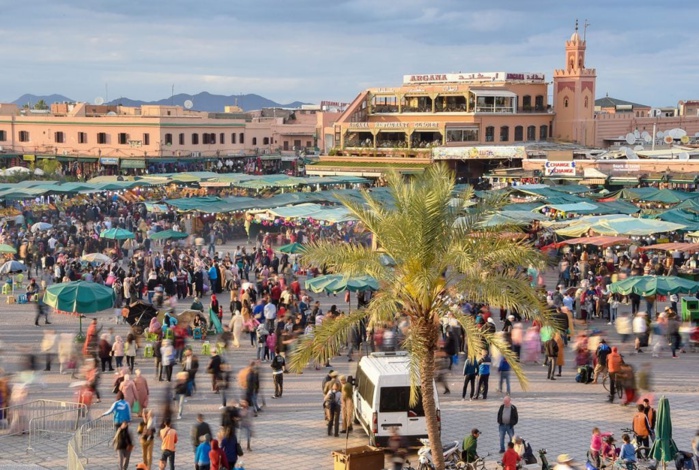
386,364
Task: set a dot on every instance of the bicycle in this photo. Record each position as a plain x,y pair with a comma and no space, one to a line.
641,451
478,464
618,386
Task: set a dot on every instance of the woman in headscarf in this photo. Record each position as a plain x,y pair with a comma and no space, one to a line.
128,388
142,390
236,326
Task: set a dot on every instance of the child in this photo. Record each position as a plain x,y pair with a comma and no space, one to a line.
628,452
596,446
510,459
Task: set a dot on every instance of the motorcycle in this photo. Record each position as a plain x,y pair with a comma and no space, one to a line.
452,454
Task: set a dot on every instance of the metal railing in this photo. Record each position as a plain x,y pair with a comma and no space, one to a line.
15,419
56,424
74,458
95,432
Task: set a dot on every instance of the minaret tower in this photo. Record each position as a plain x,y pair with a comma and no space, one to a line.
574,95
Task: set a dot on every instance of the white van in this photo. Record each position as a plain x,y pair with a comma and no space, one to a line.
382,398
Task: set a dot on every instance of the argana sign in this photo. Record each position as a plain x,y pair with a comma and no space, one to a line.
559,168
473,77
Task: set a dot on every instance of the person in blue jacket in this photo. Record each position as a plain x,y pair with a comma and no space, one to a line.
470,373
483,375
201,456
121,410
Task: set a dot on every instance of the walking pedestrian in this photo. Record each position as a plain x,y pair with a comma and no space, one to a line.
614,361
333,402
278,369
123,444
169,445
483,376
504,368
347,411
551,350
147,432
199,429
507,420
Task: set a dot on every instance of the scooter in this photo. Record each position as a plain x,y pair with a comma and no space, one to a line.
452,454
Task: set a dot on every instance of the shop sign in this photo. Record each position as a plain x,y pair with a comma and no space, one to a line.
28,158
559,168
625,167
109,161
393,125
475,153
473,77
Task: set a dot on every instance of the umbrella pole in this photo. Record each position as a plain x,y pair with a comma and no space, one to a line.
81,336
349,302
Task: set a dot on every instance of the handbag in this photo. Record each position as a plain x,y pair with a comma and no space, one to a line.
136,407
238,449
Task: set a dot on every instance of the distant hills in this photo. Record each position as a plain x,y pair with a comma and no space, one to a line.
203,101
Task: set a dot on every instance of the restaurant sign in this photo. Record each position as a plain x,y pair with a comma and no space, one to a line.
393,125
473,77
559,168
109,161
474,153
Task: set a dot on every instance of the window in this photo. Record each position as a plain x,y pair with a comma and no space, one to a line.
365,387
519,134
265,141
463,134
221,138
212,138
504,133
82,137
309,144
3,136
543,132
146,139
195,139
58,137
123,137
23,136
587,101
286,145
565,102
254,141
101,137
168,139
527,102
204,138
489,134
233,138
181,138
242,138
531,133
297,145
397,400
539,103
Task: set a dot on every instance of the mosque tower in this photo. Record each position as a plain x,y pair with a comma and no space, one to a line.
574,95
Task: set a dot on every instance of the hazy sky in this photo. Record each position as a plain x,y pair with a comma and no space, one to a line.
311,50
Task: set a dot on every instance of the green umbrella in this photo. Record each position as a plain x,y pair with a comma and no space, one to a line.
652,285
292,248
117,234
168,234
664,448
79,297
334,283
7,249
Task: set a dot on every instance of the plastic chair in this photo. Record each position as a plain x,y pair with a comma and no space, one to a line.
22,299
6,289
20,279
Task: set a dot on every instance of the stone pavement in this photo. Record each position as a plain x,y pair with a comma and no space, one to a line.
555,415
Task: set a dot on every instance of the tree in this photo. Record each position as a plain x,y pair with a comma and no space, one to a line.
438,252
41,104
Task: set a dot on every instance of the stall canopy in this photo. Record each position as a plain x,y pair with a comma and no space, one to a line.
684,247
670,196
600,241
679,216
309,211
622,225
510,218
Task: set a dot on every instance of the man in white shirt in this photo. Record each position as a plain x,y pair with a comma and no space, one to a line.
270,313
640,329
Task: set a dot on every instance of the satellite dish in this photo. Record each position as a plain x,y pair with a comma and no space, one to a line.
638,147
681,133
636,134
684,139
623,149
644,134
660,134
668,139
630,138
674,133
188,104
111,113
647,138
99,100
631,155
683,156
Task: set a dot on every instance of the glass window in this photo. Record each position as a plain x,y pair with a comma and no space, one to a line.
233,135
24,136
82,137
543,132
123,137
489,134
469,134
195,139
221,138
397,400
146,139
519,133
242,138
504,133
181,138
365,387
168,139
3,136
265,141
102,138
58,137
531,133
254,141
527,102
539,103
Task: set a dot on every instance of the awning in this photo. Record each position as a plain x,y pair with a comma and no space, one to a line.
496,93
133,163
64,158
624,180
46,157
87,160
685,247
596,241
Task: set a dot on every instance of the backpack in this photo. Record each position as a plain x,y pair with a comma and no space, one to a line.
528,456
277,362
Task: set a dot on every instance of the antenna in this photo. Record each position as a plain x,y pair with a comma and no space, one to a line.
585,25
188,104
576,25
106,91
172,95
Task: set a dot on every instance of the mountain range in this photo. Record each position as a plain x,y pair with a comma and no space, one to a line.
203,101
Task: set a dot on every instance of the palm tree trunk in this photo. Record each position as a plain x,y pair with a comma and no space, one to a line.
428,403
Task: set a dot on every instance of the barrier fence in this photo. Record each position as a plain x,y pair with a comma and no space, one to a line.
59,424
88,436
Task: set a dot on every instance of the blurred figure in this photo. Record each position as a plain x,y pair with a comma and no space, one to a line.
531,346
147,432
65,351
123,444
47,346
397,449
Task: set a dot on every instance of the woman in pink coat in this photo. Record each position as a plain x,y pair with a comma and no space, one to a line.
141,389
128,388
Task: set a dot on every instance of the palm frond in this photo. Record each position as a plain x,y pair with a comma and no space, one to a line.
503,290
349,259
326,341
414,355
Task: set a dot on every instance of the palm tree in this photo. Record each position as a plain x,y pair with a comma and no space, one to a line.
438,252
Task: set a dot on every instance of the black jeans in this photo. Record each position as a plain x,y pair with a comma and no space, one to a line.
334,420
168,454
130,362
612,386
643,442
278,384
482,382
469,379
552,367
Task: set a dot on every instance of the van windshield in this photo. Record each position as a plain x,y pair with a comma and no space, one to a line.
397,400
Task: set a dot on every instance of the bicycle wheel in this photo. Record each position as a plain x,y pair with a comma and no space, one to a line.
619,389
605,382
